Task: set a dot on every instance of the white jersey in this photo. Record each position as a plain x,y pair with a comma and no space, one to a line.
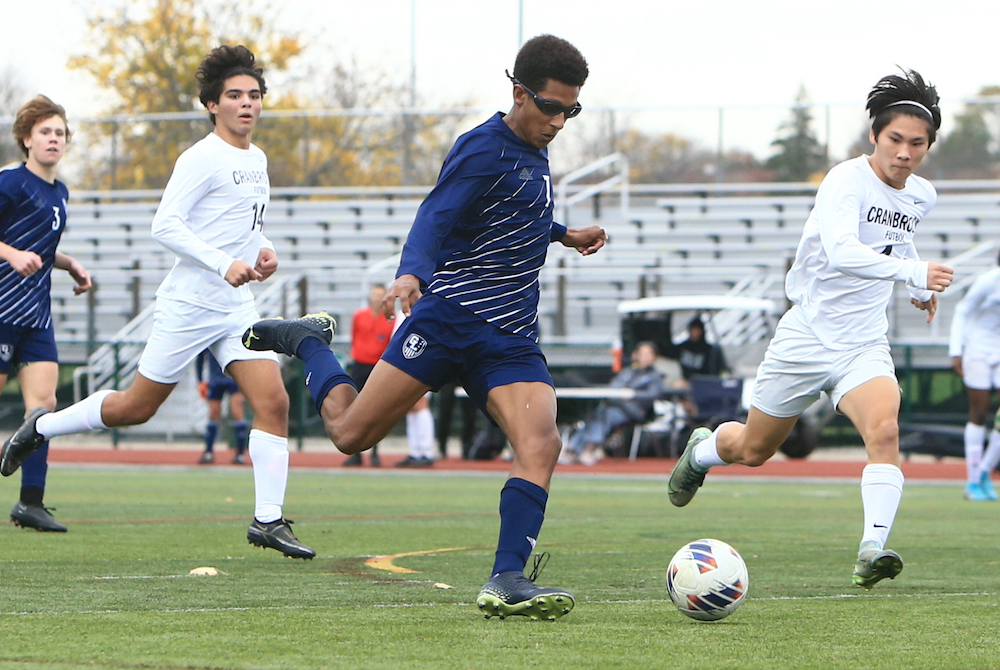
211,214
857,241
976,323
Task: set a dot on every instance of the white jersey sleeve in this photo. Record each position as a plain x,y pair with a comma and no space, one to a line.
857,242
212,214
190,181
841,197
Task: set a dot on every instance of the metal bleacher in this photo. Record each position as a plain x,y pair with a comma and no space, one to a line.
664,240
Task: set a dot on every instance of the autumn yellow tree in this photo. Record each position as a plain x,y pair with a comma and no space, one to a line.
145,55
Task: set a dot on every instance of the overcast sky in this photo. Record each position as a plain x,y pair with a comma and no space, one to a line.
643,54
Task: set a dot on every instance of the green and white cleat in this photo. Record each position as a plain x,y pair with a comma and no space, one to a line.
284,337
875,564
686,477
513,594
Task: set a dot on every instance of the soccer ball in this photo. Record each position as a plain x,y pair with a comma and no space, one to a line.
707,580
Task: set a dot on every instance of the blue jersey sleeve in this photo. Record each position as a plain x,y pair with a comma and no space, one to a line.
558,232
467,173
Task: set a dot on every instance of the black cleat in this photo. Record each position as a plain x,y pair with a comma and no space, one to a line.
284,337
207,458
278,535
240,459
511,593
21,444
37,517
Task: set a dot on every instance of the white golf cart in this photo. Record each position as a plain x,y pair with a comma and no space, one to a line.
742,327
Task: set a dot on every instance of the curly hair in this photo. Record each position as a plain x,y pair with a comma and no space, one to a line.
222,63
549,57
33,112
894,95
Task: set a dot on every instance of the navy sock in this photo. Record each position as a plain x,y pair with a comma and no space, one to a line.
211,430
323,370
36,467
241,435
522,510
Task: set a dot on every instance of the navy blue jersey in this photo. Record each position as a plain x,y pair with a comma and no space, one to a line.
32,218
480,236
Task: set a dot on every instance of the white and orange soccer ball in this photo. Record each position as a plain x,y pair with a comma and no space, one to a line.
707,580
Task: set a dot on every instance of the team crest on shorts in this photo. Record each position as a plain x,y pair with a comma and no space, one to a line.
413,346
6,352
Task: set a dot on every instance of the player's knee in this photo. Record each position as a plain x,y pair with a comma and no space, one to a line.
883,436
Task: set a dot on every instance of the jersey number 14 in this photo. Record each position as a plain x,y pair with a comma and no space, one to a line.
258,217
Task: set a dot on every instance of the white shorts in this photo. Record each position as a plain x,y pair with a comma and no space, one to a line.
980,370
797,368
181,331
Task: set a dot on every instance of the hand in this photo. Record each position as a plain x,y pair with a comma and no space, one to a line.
25,263
939,277
585,240
267,263
956,365
240,273
407,289
203,390
930,306
80,276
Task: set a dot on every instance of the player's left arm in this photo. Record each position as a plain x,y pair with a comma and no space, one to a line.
585,240
75,270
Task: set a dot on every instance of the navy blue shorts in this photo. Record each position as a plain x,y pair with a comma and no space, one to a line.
443,342
221,386
21,344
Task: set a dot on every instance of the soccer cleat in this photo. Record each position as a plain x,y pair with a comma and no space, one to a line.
207,458
686,477
415,462
974,493
240,459
353,460
986,486
875,564
21,444
37,517
284,337
511,593
375,461
278,535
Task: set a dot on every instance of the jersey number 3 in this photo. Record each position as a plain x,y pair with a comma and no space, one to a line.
56,222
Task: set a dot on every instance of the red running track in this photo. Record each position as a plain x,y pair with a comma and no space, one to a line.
642,466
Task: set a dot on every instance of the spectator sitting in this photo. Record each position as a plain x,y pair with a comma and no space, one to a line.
585,445
696,356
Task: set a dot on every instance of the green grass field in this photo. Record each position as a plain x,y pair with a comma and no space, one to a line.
115,592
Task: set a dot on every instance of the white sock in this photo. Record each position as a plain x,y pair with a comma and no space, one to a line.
974,438
77,418
425,430
411,435
706,452
269,455
881,490
992,456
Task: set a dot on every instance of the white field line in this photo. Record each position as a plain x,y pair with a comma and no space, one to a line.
646,601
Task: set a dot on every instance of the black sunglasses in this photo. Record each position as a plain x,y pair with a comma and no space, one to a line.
548,107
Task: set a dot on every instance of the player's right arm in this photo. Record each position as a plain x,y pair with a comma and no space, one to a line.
24,263
467,173
190,181
839,202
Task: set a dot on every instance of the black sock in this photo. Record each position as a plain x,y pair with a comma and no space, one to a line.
32,495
